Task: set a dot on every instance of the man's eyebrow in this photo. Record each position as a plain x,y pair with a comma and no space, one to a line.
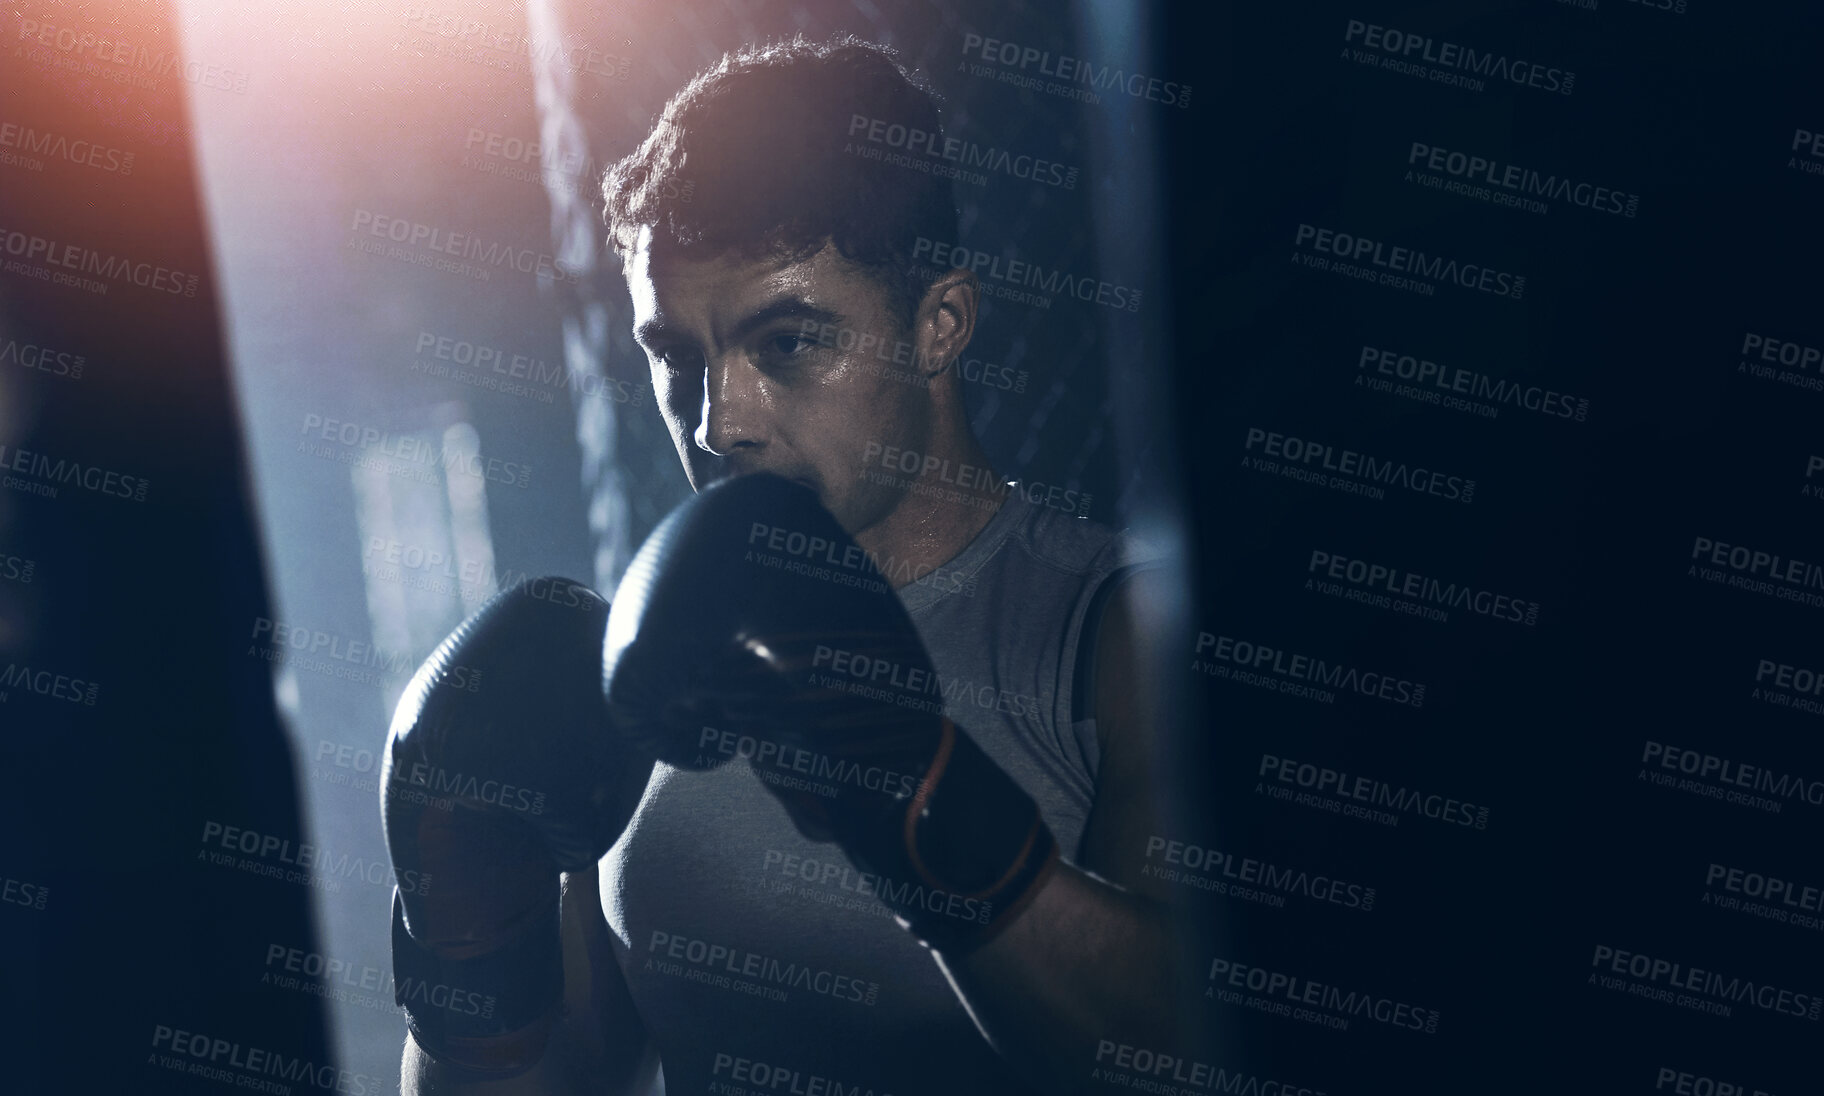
654,330
786,308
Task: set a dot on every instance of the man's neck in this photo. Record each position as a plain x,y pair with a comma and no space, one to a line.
939,517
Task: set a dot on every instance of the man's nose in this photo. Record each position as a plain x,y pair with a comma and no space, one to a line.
732,406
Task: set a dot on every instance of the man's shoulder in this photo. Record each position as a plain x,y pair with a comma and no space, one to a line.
1074,544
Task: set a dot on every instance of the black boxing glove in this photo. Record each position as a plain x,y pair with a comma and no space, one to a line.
500,773
716,632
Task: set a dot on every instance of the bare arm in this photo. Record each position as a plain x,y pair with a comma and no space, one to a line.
598,1047
1092,959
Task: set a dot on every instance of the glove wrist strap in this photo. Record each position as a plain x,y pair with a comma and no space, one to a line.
489,1016
973,834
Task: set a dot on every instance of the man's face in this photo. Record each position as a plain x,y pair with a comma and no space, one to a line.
746,384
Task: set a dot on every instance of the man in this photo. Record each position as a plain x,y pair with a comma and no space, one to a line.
789,331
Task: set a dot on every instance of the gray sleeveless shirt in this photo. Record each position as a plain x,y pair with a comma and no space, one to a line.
763,961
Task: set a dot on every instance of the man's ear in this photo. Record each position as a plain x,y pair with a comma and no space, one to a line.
945,321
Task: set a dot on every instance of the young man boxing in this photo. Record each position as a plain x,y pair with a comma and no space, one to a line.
902,712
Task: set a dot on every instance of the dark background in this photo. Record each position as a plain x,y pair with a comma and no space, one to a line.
333,112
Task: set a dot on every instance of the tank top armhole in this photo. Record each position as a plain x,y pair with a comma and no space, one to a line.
1080,655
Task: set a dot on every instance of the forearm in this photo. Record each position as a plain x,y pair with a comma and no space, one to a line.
1086,961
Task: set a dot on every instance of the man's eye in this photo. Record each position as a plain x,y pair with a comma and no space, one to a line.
677,358
789,343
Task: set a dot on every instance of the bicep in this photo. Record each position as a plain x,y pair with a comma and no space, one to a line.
1127,673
